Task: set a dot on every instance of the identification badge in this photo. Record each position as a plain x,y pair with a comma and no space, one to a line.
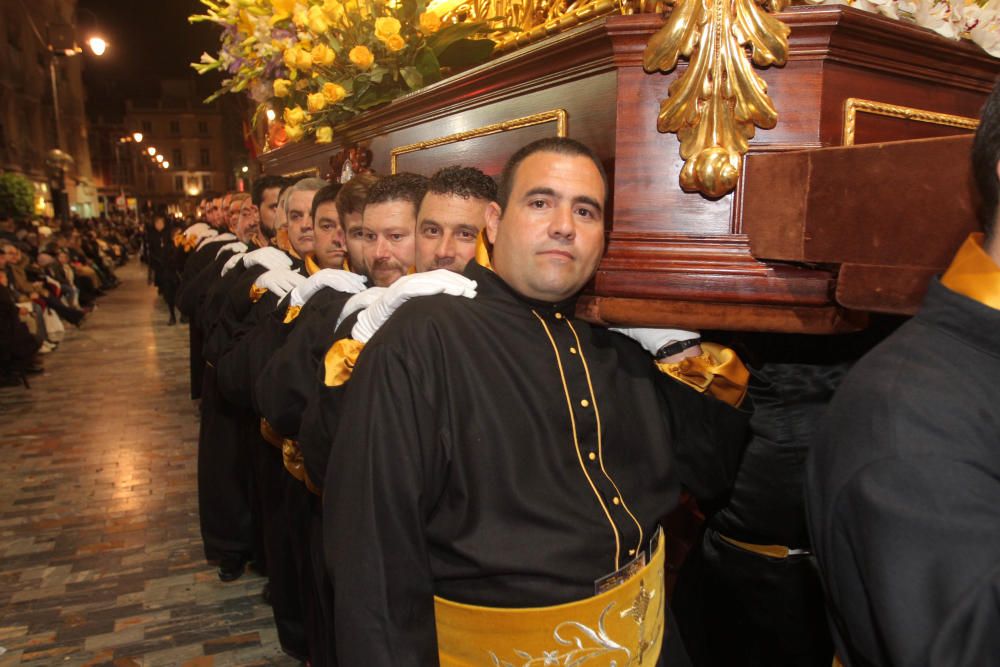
620,576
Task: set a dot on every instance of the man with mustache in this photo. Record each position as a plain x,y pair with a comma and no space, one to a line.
494,488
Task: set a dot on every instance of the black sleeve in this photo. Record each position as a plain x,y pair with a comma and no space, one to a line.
235,369
385,472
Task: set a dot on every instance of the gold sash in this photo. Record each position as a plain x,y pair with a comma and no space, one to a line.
621,626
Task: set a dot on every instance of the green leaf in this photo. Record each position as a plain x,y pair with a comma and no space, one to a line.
377,73
467,52
412,76
447,36
334,43
427,64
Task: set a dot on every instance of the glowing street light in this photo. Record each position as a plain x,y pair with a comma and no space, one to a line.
151,151
98,45
159,158
137,137
245,169
166,164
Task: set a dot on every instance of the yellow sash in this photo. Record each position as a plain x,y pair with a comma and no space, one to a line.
621,626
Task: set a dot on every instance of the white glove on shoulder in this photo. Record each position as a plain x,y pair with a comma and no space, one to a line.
231,263
199,229
359,301
278,281
270,258
653,339
439,281
237,247
214,236
338,279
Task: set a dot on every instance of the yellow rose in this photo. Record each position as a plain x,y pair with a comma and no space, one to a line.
294,116
315,102
303,59
333,92
317,20
395,43
334,10
324,134
386,27
429,23
282,87
361,56
294,132
300,17
323,55
282,9
290,58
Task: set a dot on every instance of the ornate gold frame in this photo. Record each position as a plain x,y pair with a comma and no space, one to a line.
311,171
853,105
558,116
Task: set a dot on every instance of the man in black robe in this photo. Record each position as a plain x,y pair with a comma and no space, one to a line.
496,452
903,485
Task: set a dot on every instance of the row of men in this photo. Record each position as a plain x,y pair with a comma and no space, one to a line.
480,472
281,328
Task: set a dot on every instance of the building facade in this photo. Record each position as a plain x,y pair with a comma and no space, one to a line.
28,125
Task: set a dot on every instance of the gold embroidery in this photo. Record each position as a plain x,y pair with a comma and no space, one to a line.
256,293
291,314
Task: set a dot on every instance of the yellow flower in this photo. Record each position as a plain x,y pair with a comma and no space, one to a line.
282,10
317,20
334,10
290,58
315,102
361,56
429,23
294,116
386,27
334,92
395,43
282,87
323,55
324,134
300,17
294,132
303,59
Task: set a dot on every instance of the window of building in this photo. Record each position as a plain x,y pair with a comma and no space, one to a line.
177,160
206,182
147,127
206,158
202,127
179,183
175,127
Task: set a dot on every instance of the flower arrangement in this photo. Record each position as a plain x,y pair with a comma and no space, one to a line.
317,63
975,20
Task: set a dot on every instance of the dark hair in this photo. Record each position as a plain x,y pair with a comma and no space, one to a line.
263,183
354,194
327,193
560,145
985,156
398,187
464,182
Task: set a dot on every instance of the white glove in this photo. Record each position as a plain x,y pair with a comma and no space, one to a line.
270,258
214,236
278,281
199,229
654,339
237,247
338,279
418,284
359,301
231,263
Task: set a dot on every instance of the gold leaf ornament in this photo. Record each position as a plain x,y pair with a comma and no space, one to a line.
716,103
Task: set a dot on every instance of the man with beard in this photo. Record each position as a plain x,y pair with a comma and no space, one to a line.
494,486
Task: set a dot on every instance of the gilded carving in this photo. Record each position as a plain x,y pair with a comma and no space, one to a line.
715,105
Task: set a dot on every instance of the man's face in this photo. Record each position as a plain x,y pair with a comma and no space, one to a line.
214,213
300,222
328,248
12,254
354,238
247,222
549,240
269,210
233,213
447,229
388,240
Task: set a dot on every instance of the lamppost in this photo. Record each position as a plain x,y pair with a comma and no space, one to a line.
61,42
134,138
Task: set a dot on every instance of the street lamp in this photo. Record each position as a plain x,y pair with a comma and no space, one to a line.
166,164
137,137
151,151
159,158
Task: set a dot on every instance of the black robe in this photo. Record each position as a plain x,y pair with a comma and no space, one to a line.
456,469
903,493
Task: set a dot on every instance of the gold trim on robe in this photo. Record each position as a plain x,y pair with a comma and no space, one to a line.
717,371
339,361
256,293
974,274
621,626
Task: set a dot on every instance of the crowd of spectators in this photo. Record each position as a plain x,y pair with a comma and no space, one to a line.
52,274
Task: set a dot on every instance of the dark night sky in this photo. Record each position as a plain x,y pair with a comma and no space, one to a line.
150,40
